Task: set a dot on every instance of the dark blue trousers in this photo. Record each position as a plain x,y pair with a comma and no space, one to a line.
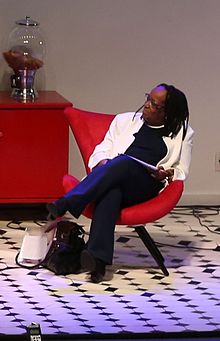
122,182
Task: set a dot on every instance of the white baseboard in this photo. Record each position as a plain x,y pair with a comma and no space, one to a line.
203,199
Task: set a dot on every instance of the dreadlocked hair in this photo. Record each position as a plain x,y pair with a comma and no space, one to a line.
176,111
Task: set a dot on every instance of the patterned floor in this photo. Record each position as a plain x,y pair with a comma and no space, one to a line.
135,297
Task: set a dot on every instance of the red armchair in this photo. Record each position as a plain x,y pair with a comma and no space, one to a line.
89,129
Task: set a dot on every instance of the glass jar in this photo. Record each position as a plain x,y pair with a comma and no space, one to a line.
25,54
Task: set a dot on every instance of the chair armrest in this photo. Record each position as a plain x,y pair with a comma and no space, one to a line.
69,182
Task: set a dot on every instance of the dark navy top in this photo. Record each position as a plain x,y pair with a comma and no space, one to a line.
148,145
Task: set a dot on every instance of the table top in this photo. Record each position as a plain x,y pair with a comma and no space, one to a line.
46,99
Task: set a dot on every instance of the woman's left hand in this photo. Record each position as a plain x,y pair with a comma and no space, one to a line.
162,174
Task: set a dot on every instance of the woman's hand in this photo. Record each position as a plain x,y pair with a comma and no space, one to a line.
162,174
101,163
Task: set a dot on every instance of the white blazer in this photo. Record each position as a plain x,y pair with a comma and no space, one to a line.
121,135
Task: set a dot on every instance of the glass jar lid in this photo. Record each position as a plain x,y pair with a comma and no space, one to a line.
27,22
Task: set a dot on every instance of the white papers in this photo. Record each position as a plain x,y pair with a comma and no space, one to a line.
145,164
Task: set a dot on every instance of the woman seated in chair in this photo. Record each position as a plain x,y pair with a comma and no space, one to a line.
159,135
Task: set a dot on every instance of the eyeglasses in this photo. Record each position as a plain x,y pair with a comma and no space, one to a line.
152,103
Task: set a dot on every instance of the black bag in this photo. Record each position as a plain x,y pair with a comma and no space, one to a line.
63,257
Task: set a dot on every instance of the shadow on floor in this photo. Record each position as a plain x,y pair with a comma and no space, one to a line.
23,212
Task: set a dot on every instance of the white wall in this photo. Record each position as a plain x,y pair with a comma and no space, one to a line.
104,54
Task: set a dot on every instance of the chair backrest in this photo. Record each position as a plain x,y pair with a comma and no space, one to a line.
88,128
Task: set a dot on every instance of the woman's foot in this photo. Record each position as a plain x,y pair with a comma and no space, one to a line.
53,212
94,265
56,209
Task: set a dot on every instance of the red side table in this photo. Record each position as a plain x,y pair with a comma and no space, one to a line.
34,144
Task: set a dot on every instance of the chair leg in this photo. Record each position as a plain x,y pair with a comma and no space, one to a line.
151,246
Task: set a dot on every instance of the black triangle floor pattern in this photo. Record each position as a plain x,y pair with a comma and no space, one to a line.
134,297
